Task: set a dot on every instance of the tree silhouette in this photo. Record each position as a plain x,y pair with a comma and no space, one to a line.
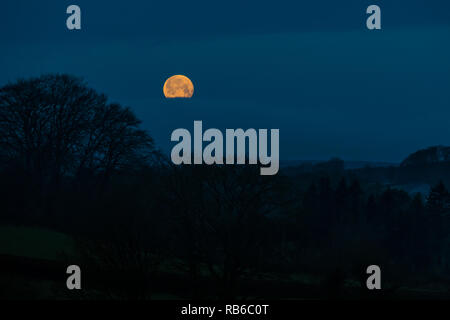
438,198
224,214
54,126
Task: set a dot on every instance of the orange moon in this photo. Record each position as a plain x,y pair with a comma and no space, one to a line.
178,86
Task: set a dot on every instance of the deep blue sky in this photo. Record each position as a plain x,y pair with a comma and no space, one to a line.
310,68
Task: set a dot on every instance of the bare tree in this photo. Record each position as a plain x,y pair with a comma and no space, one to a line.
224,214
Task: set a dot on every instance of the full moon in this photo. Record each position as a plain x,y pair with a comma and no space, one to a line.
178,86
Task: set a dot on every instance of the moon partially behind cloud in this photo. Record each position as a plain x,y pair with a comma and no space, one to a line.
178,86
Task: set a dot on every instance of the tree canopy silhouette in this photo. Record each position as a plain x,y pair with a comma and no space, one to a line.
55,126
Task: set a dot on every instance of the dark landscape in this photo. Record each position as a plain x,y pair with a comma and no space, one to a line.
224,152
81,183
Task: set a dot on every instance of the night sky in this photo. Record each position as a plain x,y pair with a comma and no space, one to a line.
309,68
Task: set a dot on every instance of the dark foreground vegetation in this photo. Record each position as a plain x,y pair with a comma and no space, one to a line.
76,166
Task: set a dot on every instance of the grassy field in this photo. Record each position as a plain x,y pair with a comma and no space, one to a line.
35,243
33,262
